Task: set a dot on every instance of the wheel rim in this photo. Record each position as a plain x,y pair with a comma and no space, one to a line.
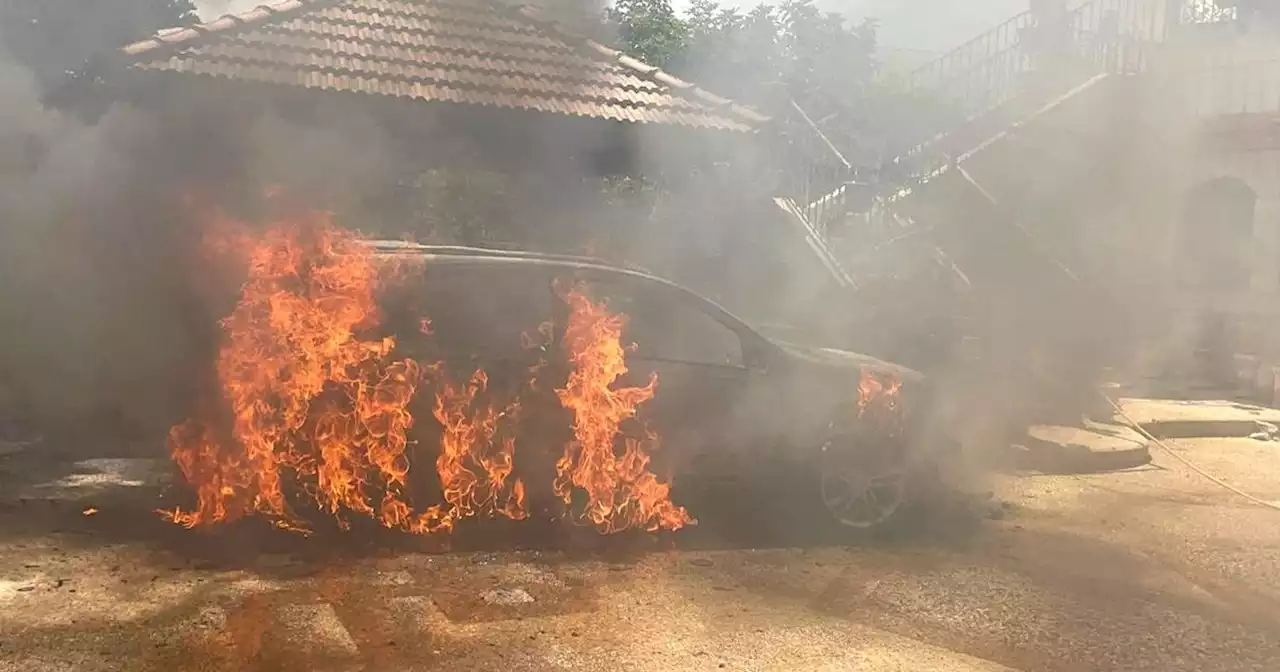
862,493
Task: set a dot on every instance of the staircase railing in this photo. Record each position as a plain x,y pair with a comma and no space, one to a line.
814,188
1034,64
1218,74
989,70
980,71
816,183
1223,86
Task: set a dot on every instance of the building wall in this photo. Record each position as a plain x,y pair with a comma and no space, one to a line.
1212,109
1228,74
1252,311
1193,129
1260,169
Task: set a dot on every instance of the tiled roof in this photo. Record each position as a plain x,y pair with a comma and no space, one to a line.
463,51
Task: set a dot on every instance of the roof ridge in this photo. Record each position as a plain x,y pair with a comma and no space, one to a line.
488,62
184,36
574,90
651,72
174,39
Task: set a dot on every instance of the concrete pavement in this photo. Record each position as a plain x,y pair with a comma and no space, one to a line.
1147,569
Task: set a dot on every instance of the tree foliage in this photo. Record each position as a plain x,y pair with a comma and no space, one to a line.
651,30
771,56
794,47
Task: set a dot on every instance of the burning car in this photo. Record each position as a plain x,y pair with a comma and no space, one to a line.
679,387
535,384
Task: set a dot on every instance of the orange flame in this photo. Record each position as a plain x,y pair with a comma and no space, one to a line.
621,492
310,407
879,393
474,464
305,394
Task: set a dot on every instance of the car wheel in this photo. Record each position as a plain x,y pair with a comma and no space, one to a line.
863,480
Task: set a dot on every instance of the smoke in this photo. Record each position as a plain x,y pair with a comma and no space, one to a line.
104,326
85,258
103,319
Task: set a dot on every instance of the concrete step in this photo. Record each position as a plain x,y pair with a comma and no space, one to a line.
1092,448
1176,418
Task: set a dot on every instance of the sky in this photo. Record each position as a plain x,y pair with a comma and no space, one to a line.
927,25
932,25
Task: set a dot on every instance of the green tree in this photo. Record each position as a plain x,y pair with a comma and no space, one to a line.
763,57
737,55
650,30
771,56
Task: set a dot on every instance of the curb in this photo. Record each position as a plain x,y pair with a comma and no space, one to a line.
1075,450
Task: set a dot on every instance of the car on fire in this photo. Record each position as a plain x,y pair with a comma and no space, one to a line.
729,401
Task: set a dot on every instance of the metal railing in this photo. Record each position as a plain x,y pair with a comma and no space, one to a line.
812,185
1116,36
980,71
816,184
1218,67
1012,60
1033,64
1230,82
991,69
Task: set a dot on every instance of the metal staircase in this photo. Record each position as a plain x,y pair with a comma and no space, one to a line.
910,238
1021,169
997,83
993,68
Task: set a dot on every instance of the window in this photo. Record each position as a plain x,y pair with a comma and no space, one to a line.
667,325
482,312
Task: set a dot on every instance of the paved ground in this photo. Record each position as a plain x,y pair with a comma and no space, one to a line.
1148,569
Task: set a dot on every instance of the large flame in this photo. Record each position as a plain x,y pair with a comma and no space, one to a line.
310,406
304,394
475,464
621,492
310,401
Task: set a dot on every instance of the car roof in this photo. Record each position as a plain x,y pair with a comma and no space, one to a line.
481,253
462,255
481,256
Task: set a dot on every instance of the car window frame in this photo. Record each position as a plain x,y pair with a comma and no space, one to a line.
757,351
514,354
748,341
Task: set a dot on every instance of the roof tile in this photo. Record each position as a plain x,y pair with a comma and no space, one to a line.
463,51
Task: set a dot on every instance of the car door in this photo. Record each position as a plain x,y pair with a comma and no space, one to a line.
700,366
467,316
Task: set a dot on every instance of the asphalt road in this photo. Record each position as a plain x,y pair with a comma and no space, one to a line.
1150,569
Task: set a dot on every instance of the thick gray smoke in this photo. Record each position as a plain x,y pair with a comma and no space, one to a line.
103,321
88,305
105,329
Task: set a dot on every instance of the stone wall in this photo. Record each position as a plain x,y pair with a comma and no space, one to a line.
1195,129
1253,333
1224,72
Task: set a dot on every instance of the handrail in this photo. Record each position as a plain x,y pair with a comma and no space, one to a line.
987,70
980,77
816,185
1003,28
1102,37
822,136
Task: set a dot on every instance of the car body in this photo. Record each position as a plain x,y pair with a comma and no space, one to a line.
728,402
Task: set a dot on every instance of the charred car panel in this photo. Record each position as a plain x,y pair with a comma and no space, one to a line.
728,398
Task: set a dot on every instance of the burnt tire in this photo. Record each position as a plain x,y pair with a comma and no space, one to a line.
864,481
